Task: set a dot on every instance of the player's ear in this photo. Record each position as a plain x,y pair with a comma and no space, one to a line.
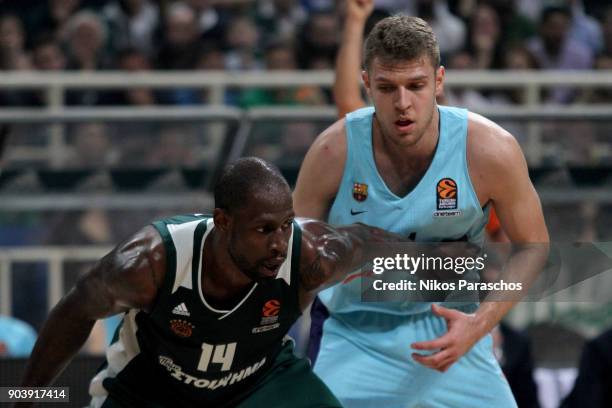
440,72
222,219
366,80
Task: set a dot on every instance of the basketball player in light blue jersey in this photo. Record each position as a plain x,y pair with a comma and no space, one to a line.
429,172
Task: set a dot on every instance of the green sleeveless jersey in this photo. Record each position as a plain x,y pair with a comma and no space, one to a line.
187,353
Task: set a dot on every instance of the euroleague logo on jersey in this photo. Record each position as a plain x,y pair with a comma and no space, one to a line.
181,328
447,188
271,308
447,195
269,319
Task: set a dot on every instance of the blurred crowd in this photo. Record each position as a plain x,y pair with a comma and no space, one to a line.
246,35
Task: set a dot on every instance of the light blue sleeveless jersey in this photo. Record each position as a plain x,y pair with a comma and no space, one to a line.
442,206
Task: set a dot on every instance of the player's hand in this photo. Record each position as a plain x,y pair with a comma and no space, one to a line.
359,9
463,333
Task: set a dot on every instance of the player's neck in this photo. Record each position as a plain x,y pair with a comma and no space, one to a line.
221,278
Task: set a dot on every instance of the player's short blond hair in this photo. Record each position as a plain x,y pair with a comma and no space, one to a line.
401,38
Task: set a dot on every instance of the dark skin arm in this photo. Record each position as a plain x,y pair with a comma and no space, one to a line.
329,253
127,278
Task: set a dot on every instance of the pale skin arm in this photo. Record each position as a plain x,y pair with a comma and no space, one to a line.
499,173
321,173
127,278
346,90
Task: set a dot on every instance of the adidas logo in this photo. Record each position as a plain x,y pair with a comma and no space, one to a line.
181,310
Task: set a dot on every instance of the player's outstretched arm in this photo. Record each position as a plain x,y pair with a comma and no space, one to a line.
128,277
347,92
329,253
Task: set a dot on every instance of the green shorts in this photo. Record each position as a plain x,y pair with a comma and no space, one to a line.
290,384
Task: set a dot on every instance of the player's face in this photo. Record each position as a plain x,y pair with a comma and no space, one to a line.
259,235
404,96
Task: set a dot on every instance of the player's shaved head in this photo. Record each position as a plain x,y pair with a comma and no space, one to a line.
246,178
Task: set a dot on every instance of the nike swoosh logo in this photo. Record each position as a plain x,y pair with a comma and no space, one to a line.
353,212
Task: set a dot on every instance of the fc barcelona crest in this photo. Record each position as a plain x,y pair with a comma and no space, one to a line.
360,191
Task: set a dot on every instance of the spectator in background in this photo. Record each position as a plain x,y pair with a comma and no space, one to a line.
593,386
17,338
515,27
584,28
449,29
318,39
47,55
14,58
554,49
280,19
49,20
281,56
85,39
211,59
180,39
175,146
91,146
210,21
607,33
180,50
294,143
12,41
513,351
242,40
132,60
132,24
464,97
603,61
484,37
517,57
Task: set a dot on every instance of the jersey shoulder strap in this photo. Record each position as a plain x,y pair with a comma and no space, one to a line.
180,235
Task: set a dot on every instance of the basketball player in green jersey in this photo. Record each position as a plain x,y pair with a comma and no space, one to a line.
207,302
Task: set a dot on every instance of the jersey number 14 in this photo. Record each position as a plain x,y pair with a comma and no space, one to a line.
220,354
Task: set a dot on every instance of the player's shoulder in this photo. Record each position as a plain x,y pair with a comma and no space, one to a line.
145,249
331,143
312,227
489,143
321,172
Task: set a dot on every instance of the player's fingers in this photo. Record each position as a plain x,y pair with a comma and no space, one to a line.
434,361
435,344
423,360
446,365
444,312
